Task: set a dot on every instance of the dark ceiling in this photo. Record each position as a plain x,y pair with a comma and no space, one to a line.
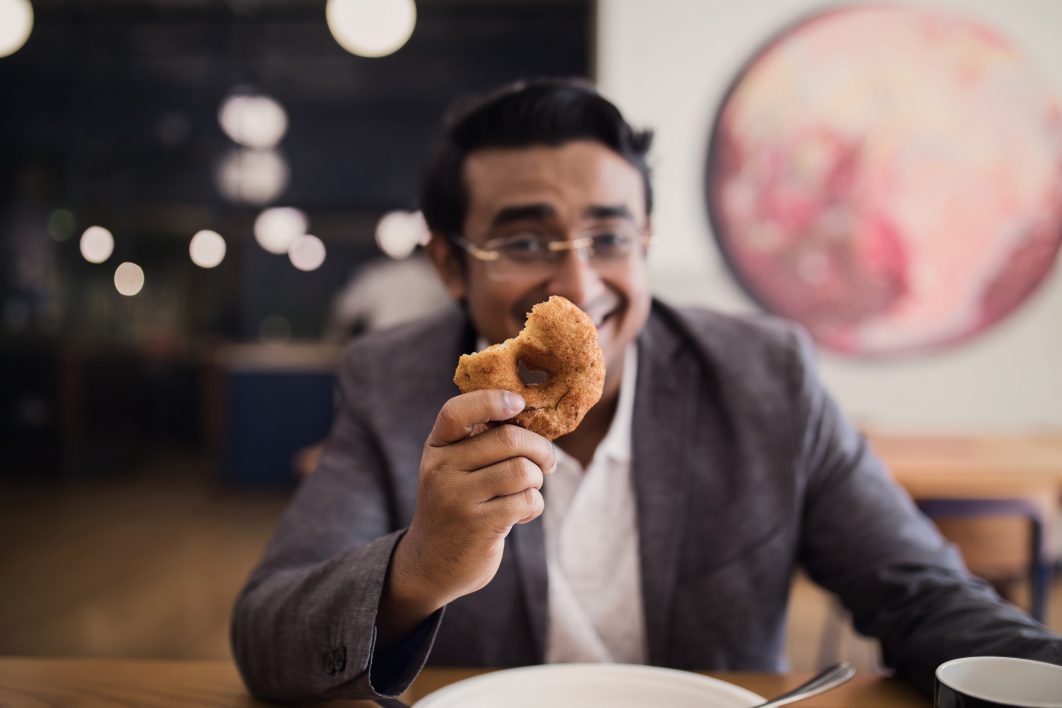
110,111
118,99
108,115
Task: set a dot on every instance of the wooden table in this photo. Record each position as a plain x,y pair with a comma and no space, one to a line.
980,466
113,682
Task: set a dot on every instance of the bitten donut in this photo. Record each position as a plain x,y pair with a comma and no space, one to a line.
559,339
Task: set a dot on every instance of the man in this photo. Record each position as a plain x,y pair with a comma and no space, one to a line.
674,515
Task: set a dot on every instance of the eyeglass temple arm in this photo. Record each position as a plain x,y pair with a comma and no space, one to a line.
474,250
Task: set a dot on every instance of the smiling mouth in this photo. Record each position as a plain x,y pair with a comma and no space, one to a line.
600,318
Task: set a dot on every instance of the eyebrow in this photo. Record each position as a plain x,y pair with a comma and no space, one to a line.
618,211
524,212
543,212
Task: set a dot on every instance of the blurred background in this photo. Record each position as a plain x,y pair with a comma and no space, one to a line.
202,200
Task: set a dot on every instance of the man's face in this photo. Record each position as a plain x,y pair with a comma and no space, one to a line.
560,192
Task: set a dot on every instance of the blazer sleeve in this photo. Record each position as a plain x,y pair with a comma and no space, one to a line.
304,626
864,540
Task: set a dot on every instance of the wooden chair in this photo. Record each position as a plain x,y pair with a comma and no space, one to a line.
994,551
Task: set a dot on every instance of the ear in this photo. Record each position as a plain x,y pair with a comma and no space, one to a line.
447,264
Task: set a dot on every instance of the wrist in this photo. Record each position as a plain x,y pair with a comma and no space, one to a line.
408,599
411,575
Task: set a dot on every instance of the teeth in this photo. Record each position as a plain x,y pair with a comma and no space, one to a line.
598,320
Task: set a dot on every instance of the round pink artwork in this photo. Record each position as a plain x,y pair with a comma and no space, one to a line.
889,177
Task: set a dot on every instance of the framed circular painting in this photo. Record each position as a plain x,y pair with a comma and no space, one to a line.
890,177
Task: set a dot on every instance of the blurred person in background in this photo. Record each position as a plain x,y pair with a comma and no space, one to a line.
664,530
385,293
381,294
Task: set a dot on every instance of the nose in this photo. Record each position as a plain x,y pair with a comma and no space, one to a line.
576,279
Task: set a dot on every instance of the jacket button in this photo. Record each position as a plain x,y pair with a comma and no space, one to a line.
341,658
328,659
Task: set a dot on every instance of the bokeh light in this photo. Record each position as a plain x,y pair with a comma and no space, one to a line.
16,24
277,228
207,249
253,120
129,279
307,253
371,28
252,176
399,232
97,244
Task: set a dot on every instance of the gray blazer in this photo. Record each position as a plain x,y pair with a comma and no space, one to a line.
743,468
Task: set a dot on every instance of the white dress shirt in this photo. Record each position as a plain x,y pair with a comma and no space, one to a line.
591,530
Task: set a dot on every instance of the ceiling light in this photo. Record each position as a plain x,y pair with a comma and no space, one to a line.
97,244
371,28
277,228
129,279
252,176
307,253
399,232
16,23
207,249
253,120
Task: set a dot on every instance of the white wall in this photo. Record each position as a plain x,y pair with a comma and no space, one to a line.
667,63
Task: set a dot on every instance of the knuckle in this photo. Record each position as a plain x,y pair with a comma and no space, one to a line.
519,469
532,473
508,436
448,413
430,466
532,500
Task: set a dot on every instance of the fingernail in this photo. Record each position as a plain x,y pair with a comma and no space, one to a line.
514,401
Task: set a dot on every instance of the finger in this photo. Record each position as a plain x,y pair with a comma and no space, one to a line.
480,428
459,416
502,479
514,508
503,442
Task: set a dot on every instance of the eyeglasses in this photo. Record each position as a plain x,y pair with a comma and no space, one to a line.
533,254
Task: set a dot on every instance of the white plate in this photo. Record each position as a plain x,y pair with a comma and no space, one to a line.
590,686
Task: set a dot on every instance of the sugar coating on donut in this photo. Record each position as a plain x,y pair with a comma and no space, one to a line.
559,339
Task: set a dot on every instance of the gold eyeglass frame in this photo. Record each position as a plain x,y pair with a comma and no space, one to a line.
581,244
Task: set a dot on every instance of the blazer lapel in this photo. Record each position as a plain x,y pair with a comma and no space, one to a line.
419,381
527,543
665,408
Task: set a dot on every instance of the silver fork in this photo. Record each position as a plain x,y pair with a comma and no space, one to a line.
820,683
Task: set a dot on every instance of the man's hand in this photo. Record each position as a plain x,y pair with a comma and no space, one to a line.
475,484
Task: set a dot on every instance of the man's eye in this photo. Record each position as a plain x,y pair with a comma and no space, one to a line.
611,242
524,249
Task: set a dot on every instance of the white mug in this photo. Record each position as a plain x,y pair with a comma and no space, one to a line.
997,682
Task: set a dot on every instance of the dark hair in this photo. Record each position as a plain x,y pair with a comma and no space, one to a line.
539,112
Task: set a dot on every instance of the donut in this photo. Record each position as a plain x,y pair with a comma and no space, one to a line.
559,339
